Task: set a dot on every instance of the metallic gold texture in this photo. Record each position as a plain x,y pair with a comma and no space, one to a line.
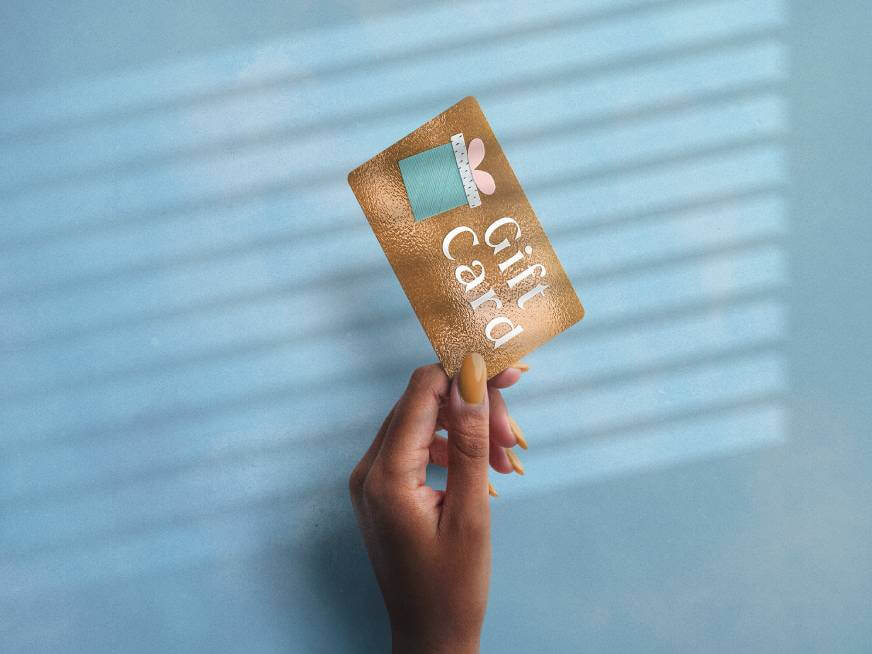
414,250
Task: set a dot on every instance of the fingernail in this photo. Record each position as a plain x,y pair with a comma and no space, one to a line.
473,379
519,435
520,365
491,490
515,461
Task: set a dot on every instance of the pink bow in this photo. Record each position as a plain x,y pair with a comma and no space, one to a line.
483,180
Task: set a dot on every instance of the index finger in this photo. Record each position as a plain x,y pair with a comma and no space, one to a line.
405,449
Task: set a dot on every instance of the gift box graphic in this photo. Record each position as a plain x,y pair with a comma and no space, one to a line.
446,177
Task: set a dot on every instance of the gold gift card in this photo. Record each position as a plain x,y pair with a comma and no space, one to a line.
464,242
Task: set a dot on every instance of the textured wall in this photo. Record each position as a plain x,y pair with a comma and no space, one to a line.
199,334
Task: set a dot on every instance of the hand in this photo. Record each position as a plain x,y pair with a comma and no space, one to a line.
431,549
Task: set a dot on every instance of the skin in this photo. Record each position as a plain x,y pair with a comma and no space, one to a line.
431,549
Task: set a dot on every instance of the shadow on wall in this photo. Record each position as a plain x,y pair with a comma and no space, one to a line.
191,364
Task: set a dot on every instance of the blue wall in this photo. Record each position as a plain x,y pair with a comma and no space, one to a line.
199,334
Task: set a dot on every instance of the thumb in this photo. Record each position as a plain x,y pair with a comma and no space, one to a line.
466,500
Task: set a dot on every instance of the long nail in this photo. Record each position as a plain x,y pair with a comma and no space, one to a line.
520,365
515,461
491,490
519,435
473,378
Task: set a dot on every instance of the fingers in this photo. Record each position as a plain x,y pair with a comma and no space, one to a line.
406,441
499,461
501,433
466,488
502,382
404,452
375,446
358,475
506,378
439,455
500,430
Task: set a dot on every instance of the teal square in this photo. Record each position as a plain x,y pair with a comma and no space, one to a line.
432,181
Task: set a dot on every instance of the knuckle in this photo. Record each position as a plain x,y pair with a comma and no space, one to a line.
471,422
355,481
371,489
357,486
425,378
470,440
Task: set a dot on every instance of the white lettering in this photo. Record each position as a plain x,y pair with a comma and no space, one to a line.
495,225
502,340
446,242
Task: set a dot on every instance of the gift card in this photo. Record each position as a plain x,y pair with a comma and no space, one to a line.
464,241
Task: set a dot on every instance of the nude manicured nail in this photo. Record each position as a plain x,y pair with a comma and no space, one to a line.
491,490
515,461
520,365
473,379
519,435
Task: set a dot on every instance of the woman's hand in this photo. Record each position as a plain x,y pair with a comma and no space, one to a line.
431,549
